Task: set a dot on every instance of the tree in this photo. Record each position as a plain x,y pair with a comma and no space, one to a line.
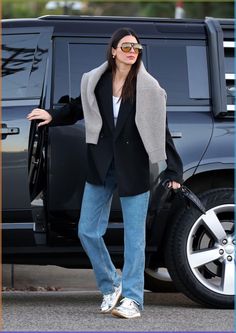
193,9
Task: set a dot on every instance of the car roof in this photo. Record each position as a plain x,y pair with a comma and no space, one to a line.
104,26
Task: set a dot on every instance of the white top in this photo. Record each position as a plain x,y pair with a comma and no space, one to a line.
116,107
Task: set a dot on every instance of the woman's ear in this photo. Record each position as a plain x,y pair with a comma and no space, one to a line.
113,52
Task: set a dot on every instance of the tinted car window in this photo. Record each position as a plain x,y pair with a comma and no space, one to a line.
77,58
229,74
83,58
197,72
17,64
179,71
229,60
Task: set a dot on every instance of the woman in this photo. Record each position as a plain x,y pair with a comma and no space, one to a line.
124,109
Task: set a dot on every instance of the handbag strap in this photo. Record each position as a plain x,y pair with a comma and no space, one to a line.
193,198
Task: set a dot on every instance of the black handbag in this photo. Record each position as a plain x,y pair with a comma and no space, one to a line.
165,202
162,194
192,198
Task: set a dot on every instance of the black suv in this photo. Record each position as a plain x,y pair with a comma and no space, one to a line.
44,170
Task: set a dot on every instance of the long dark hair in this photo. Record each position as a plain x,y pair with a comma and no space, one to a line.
128,91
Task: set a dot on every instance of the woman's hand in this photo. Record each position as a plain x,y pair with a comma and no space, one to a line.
40,114
174,185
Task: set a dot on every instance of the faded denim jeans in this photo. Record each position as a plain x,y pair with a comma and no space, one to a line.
93,223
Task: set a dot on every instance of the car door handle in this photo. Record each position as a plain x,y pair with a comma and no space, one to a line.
8,130
176,135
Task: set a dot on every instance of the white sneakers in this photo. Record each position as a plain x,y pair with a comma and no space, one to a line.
109,301
128,309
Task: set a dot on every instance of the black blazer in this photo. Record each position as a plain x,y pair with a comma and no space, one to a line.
120,144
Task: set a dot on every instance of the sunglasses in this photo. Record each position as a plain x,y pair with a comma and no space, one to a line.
127,47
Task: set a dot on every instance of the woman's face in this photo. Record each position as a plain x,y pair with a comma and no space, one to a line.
122,57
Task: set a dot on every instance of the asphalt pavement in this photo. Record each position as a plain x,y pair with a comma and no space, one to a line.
74,306
78,311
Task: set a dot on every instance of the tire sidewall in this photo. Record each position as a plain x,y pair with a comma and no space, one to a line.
177,259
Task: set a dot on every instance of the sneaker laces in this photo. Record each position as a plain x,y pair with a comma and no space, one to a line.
106,299
128,302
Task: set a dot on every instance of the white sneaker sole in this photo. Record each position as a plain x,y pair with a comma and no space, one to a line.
117,313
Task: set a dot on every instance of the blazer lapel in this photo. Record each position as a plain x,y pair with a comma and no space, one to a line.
105,93
125,109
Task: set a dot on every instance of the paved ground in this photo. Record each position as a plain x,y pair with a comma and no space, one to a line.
74,307
78,311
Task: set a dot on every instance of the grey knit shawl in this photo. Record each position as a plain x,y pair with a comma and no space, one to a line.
150,115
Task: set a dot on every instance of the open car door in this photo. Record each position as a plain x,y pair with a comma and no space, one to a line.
24,66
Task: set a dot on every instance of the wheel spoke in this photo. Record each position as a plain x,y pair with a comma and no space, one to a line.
214,226
203,257
228,277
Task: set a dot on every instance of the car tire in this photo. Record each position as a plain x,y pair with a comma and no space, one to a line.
200,251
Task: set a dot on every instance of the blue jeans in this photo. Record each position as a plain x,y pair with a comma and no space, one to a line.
93,223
